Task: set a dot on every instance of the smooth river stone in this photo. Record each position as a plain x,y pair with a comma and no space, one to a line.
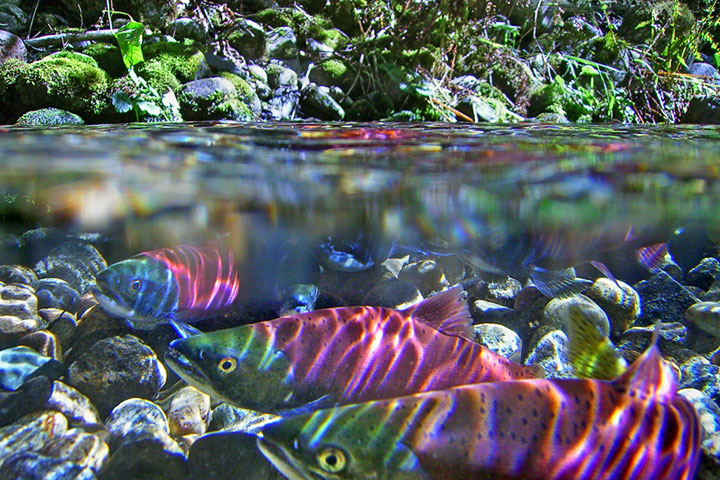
619,300
188,411
705,316
18,364
18,313
35,466
74,405
426,275
555,312
80,447
135,414
31,432
499,339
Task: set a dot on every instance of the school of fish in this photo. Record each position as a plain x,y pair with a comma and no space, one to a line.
376,393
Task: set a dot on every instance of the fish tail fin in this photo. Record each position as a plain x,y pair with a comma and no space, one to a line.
652,257
590,351
445,311
554,284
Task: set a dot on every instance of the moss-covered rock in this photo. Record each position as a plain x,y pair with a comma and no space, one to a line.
13,18
184,60
332,73
248,38
108,57
375,106
244,91
282,44
80,57
159,76
212,98
49,117
55,81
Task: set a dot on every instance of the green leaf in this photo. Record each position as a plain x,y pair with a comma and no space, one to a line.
122,101
129,38
151,108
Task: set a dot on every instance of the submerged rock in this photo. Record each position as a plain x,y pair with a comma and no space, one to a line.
705,273
31,433
16,274
82,448
45,343
551,354
146,453
705,316
619,300
49,117
135,414
393,293
31,396
56,293
663,299
74,405
75,261
223,455
18,313
115,369
426,275
36,466
188,411
709,414
19,364
500,340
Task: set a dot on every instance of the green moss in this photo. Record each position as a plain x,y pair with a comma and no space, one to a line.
278,17
57,81
245,92
158,76
80,57
331,73
218,106
183,60
108,57
49,116
10,71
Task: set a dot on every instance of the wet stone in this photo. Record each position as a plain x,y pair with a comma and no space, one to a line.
74,261
61,323
556,312
282,43
35,466
702,377
396,294
135,414
225,415
551,354
45,343
146,453
281,77
11,46
503,292
500,340
223,455
188,411
115,369
56,293
663,299
18,364
17,274
638,338
618,300
709,414
74,405
317,102
18,313
426,275
491,312
705,316
31,396
95,325
704,274
31,432
82,448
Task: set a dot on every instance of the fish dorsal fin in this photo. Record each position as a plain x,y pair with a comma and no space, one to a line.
652,257
650,376
446,312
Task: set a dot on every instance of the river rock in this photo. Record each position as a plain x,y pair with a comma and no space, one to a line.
115,369
146,453
704,274
504,291
50,116
282,44
703,109
31,432
555,313
74,261
135,414
281,77
18,364
212,98
551,354
13,18
60,323
618,300
223,455
317,102
56,293
709,414
18,313
16,274
188,411
36,466
663,299
282,105
74,405
702,377
11,46
188,28
80,447
703,69
393,293
426,275
491,312
31,396
500,340
248,38
705,316
44,342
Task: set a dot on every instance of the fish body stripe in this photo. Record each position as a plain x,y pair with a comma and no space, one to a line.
364,353
206,279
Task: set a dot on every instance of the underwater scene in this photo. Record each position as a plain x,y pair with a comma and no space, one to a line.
360,301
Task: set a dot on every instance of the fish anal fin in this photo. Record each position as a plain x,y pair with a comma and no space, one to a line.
446,312
555,284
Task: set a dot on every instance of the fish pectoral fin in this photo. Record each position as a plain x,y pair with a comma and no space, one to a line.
446,312
183,329
323,402
554,284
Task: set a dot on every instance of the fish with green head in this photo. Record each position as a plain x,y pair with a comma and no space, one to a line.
342,355
634,427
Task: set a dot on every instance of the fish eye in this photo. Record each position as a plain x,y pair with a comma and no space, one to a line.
135,285
332,459
227,364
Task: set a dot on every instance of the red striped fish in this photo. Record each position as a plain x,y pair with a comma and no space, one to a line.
169,284
635,427
342,355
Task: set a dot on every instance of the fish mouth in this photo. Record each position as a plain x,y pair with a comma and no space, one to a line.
188,371
115,308
283,461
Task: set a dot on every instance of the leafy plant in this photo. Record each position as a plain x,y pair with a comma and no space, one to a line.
143,99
